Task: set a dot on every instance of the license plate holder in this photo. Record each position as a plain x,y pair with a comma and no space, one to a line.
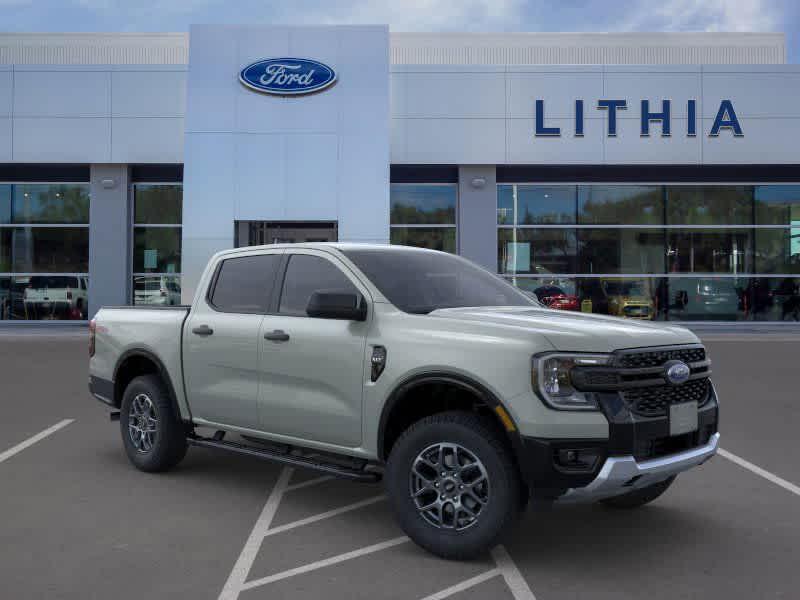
682,418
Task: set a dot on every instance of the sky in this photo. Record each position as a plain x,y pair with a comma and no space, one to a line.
413,15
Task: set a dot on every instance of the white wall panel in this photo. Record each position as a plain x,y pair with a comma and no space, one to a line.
6,87
260,197
148,93
455,141
62,93
209,179
147,140
210,92
363,217
455,95
5,139
79,140
311,177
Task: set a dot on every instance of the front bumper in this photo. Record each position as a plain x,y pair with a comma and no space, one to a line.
622,474
633,439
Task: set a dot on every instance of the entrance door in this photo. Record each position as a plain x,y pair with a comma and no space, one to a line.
259,233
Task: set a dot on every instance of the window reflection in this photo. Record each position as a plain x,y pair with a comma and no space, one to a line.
538,251
433,205
709,205
710,251
620,204
621,250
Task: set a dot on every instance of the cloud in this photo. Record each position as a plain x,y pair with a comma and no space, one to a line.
704,15
415,15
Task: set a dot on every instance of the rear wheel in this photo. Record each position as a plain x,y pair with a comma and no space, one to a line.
453,485
639,497
154,438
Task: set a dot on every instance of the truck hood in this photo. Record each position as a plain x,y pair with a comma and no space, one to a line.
575,332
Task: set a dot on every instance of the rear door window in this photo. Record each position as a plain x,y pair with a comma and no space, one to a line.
245,284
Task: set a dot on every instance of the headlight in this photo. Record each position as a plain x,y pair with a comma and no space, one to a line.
550,376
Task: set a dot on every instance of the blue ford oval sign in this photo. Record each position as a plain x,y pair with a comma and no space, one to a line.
287,76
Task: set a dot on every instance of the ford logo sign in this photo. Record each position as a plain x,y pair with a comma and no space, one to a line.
677,372
287,76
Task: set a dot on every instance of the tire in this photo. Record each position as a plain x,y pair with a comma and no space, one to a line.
166,446
639,497
457,535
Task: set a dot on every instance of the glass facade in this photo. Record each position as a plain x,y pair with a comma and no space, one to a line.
424,215
44,251
667,252
157,217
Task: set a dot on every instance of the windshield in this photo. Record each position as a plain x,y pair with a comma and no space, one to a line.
420,282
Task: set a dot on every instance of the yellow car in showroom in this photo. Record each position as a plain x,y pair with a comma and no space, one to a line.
629,298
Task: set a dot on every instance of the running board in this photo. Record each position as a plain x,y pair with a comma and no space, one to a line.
287,459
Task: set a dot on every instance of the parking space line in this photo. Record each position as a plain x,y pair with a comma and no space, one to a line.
33,439
514,579
325,563
464,585
235,583
760,472
309,483
325,515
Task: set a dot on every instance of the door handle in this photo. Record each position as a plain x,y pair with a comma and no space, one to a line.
277,336
203,330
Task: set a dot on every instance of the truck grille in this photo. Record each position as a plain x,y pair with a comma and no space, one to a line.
655,358
655,401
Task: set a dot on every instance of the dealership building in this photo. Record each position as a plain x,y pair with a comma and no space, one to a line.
650,176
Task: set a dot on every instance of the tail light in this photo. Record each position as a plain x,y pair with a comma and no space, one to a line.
92,331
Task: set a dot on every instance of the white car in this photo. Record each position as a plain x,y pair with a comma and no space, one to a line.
156,290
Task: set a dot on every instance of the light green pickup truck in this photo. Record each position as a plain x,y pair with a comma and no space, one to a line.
362,361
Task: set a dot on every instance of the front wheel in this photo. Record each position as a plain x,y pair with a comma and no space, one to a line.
453,485
154,438
639,497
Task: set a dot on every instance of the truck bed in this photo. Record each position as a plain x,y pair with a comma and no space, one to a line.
155,331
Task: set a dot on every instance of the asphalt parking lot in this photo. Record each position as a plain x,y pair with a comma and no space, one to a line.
77,521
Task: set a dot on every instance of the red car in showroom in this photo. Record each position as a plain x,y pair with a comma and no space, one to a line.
553,296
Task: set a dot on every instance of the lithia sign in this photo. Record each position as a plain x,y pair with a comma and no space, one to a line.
726,119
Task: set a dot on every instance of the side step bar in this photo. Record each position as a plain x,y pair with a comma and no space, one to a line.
287,459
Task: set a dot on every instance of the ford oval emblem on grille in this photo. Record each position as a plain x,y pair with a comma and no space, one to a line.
287,76
676,372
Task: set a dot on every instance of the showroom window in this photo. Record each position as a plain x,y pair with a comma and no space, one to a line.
157,217
424,215
44,251
677,252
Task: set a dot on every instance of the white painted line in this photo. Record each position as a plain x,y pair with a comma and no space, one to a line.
464,585
514,579
325,515
309,483
241,569
33,439
759,471
325,563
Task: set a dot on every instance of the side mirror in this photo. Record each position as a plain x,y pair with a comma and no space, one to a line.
337,305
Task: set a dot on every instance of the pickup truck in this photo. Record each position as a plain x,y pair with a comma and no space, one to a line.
465,395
